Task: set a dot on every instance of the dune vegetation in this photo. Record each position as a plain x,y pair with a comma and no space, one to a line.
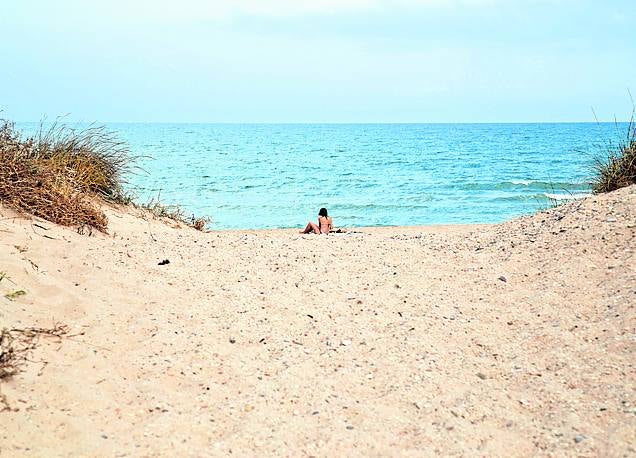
616,167
63,175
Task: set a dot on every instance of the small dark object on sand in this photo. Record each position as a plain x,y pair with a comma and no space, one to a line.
503,279
164,262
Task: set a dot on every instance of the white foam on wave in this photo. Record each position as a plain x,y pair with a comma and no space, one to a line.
566,196
523,182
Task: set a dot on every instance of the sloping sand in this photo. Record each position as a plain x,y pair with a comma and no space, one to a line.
505,340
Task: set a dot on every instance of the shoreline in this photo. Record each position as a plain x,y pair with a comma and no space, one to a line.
369,229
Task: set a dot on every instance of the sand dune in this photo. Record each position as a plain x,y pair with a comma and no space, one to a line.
501,340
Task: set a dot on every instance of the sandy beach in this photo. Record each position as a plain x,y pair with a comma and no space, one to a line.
516,339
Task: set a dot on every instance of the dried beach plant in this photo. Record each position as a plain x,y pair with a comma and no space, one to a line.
616,168
57,174
16,345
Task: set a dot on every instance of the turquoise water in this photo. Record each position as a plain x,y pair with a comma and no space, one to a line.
271,176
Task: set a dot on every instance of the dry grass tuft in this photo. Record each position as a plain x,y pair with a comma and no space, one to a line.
617,168
61,175
161,210
15,347
199,223
174,212
17,344
58,174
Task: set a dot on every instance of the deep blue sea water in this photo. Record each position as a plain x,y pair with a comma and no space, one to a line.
271,176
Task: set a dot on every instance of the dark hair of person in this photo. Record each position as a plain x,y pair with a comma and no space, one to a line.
323,212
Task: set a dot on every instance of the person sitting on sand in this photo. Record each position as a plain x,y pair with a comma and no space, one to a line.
324,226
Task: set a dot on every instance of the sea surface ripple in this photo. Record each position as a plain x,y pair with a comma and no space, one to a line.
279,175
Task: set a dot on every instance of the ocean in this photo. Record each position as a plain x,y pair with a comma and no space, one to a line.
279,175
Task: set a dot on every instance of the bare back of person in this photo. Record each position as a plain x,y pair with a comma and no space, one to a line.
325,224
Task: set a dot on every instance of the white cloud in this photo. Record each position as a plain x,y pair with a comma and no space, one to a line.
291,8
217,9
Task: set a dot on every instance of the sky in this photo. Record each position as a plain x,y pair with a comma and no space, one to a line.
318,61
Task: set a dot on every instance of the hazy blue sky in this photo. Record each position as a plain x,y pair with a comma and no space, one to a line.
320,60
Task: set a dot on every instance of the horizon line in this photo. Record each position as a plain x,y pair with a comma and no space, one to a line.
61,119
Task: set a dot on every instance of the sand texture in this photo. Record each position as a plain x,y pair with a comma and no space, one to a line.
516,339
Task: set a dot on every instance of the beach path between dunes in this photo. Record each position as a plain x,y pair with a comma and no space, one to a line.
499,340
